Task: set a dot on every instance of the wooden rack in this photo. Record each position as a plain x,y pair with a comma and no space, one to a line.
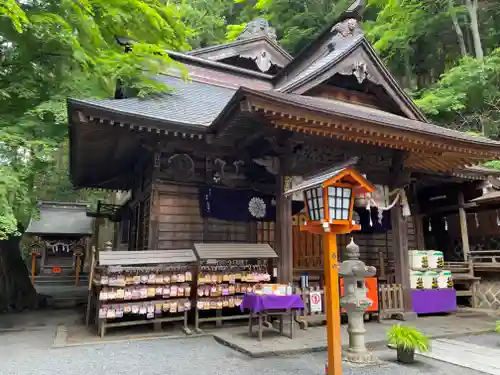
130,288
225,272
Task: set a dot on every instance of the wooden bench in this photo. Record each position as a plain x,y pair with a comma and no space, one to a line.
462,274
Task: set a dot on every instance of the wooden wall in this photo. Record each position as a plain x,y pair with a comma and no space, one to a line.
139,207
487,221
483,234
308,248
179,223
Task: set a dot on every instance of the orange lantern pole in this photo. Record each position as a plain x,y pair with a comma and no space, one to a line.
329,199
332,293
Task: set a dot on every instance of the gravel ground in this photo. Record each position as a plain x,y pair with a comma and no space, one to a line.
491,340
30,353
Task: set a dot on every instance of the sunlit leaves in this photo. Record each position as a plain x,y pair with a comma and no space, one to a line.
10,10
470,90
54,49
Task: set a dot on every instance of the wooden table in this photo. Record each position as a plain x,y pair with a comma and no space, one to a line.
263,306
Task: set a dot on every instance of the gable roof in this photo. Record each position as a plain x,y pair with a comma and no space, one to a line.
247,48
343,49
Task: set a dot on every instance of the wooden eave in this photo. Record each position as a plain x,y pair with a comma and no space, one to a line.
109,123
488,200
79,112
215,65
212,53
427,150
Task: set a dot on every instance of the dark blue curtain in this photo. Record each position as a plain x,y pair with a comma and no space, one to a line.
375,227
239,205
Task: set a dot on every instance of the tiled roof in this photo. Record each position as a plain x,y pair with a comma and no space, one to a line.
354,111
189,102
342,47
63,219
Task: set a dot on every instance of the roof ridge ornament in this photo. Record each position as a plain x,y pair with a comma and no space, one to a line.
258,27
348,20
346,28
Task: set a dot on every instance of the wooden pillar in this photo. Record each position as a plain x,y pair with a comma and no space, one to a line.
283,229
418,219
400,245
400,236
463,225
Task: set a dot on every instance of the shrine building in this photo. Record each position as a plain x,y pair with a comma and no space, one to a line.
209,160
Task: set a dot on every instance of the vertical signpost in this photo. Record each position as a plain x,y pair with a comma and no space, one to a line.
329,199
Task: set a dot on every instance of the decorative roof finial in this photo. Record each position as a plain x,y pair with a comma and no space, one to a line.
347,23
258,27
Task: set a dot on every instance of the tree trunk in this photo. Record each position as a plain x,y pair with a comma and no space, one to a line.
16,291
458,29
472,6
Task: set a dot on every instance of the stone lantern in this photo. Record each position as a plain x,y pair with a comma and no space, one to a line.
355,302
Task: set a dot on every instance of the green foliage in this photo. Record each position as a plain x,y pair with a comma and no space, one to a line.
296,22
233,31
54,49
408,338
497,327
467,96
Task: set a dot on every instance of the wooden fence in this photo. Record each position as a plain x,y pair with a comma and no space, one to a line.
391,301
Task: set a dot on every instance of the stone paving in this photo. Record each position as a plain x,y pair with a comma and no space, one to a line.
314,339
467,355
30,353
491,340
34,344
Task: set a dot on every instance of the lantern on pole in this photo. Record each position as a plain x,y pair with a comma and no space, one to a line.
329,199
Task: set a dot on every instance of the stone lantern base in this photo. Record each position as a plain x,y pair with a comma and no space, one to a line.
365,358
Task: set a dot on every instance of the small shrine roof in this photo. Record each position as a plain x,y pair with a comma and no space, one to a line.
61,218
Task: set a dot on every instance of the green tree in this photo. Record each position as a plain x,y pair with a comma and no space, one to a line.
297,22
49,50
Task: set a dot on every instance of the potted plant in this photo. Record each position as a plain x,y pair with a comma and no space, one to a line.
406,340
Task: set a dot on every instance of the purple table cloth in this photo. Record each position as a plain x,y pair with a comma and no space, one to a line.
433,301
257,303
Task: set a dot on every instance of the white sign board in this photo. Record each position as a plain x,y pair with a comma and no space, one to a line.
315,301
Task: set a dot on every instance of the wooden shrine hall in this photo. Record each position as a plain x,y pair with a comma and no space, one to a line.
209,161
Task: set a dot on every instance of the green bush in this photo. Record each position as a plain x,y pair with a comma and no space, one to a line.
408,338
497,328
